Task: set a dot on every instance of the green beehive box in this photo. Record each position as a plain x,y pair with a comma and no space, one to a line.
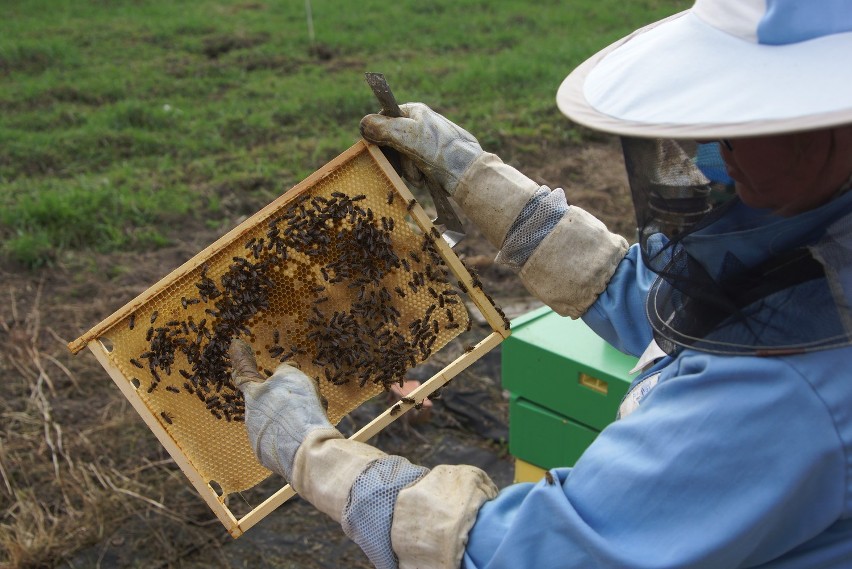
543,438
566,385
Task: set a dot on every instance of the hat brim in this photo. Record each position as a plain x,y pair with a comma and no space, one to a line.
681,78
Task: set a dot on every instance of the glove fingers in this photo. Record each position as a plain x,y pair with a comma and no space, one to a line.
411,172
243,365
388,131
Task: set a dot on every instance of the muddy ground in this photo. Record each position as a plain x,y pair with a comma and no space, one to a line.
85,484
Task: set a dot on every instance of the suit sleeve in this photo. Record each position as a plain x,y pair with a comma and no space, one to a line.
618,315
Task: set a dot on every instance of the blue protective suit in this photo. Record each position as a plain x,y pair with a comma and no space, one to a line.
728,461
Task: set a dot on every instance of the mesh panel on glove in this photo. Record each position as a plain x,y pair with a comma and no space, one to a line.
368,516
535,222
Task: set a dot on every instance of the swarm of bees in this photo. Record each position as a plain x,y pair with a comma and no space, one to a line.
353,331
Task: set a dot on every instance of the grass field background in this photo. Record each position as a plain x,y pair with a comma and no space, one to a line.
119,118
134,132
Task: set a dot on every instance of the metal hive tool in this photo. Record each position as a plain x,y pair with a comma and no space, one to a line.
344,274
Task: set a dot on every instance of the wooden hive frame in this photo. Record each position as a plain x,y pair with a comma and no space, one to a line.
237,526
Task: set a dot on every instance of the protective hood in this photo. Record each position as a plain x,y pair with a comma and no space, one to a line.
745,281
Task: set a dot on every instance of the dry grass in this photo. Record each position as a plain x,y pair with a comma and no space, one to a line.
52,500
64,484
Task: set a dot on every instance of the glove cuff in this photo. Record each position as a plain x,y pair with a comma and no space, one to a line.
492,194
433,517
326,467
574,263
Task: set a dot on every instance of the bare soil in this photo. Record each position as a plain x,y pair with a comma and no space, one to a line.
85,484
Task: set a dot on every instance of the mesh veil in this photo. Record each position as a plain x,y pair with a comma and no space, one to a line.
727,283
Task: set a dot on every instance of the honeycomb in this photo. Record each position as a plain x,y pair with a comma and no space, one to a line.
335,278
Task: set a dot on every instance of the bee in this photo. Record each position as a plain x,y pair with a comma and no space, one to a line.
410,205
137,363
390,197
462,287
409,400
435,233
452,325
172,389
149,334
395,409
154,316
275,336
469,348
166,417
549,478
132,321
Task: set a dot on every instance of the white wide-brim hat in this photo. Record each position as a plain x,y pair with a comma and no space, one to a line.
723,69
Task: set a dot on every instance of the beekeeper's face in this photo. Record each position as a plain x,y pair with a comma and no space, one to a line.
790,173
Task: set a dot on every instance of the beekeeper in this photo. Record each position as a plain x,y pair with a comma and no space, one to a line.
733,447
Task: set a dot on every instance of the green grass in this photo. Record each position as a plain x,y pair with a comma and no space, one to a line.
116,117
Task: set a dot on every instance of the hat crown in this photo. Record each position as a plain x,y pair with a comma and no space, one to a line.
776,22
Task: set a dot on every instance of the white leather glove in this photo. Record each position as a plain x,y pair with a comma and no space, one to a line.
401,515
563,255
437,147
280,411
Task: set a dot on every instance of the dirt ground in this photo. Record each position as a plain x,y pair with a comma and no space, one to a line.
85,484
